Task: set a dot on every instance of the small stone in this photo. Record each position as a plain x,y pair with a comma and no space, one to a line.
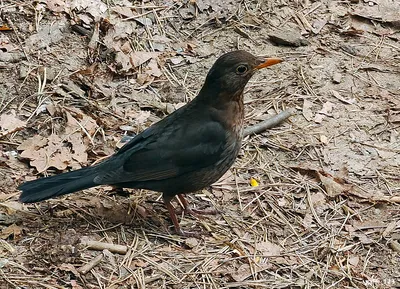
23,71
288,37
191,242
337,77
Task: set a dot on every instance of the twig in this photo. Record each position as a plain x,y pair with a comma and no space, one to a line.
269,123
89,266
114,248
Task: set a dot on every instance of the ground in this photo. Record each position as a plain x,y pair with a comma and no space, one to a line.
311,203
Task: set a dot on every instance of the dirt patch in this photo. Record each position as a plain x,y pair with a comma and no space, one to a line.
312,203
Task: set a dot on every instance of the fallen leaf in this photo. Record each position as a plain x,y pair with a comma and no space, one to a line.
268,248
353,260
123,62
124,11
326,110
34,143
69,268
307,112
12,230
61,151
318,199
333,187
307,221
56,5
96,8
383,11
9,123
140,57
153,69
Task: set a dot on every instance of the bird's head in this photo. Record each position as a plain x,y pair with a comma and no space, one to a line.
231,72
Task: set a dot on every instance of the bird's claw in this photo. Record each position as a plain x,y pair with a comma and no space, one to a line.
199,213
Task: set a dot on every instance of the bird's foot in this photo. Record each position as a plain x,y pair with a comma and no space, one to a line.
199,213
186,234
194,212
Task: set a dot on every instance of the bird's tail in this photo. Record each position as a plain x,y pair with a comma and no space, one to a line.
62,184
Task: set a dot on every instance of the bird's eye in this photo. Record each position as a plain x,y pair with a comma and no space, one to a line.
241,69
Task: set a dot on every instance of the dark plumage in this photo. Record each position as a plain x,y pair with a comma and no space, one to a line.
188,150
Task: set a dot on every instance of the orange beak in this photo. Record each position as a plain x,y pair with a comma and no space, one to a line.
269,62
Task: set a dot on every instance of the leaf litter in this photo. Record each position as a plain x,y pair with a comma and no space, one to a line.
61,151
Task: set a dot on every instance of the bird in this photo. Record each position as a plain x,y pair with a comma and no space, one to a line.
185,152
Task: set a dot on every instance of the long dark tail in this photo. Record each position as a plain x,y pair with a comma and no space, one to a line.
62,184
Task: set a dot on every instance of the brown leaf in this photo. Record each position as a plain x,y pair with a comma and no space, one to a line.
124,11
69,267
333,187
79,149
140,57
55,154
153,69
123,62
268,248
12,230
34,143
9,123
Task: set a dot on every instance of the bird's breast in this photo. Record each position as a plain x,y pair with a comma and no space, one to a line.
233,117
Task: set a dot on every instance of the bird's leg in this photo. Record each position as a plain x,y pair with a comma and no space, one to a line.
171,210
191,211
172,214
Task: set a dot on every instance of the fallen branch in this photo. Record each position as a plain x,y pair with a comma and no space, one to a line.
269,123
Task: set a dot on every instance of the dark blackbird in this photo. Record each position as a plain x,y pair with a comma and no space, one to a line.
187,151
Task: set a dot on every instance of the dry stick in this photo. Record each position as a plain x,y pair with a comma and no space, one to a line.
269,123
89,266
114,248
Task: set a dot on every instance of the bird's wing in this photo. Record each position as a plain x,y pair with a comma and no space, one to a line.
168,154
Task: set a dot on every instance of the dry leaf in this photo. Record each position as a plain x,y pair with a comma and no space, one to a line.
318,199
56,5
69,267
60,152
9,123
326,110
384,11
95,8
268,248
307,112
333,187
140,57
124,11
308,220
241,273
12,230
123,62
353,260
153,69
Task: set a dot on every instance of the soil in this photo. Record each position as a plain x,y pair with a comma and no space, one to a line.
311,203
